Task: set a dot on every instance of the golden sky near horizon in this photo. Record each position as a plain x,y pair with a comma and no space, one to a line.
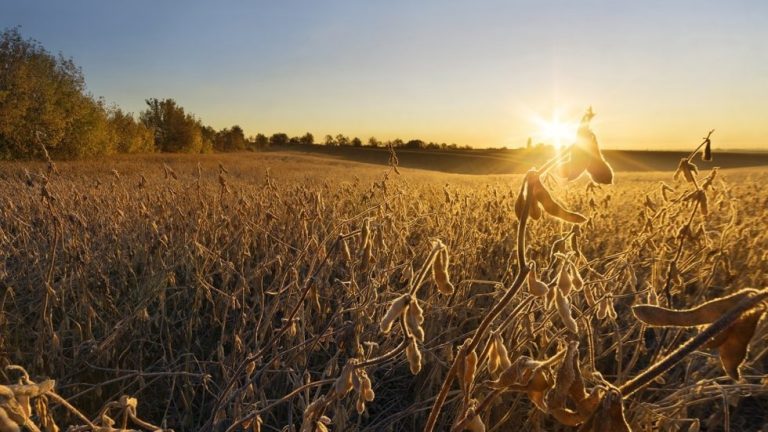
659,74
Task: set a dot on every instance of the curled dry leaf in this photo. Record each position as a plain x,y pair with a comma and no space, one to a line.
528,375
475,424
609,416
733,344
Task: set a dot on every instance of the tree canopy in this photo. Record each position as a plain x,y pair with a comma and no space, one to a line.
44,101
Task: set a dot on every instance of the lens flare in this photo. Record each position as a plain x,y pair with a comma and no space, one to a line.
554,131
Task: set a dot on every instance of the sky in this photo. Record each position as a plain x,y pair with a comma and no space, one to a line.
659,74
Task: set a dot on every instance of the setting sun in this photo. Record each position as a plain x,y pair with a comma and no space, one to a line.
554,131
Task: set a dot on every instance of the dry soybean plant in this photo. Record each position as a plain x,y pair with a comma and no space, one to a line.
272,292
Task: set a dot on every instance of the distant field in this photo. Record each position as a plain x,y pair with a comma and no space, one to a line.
519,160
255,279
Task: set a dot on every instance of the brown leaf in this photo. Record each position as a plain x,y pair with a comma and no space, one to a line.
609,416
735,346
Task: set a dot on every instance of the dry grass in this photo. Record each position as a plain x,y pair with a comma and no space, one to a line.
249,290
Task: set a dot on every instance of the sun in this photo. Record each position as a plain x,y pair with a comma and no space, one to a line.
555,131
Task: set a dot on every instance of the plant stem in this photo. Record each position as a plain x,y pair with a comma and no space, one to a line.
495,311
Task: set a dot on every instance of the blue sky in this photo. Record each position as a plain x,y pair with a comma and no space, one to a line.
658,73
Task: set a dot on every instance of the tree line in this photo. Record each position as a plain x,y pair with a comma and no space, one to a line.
341,140
44,102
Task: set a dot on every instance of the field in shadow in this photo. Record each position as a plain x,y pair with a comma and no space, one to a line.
519,160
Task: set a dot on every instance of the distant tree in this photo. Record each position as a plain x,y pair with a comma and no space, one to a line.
278,139
220,140
397,142
209,138
294,140
329,141
373,142
261,141
415,144
230,139
88,132
237,138
529,143
308,138
356,142
175,130
342,140
131,136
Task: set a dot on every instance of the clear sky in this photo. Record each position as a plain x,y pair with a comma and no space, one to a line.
658,73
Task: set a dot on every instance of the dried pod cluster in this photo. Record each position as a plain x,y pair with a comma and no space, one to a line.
540,198
585,155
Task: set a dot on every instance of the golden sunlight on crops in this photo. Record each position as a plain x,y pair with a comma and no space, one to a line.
281,292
